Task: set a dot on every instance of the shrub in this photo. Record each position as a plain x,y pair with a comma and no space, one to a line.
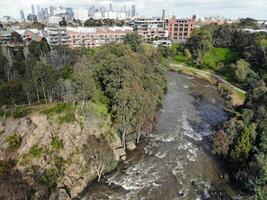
57,143
112,165
49,178
67,118
14,142
20,112
36,151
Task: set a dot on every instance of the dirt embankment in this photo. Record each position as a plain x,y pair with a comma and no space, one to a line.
44,159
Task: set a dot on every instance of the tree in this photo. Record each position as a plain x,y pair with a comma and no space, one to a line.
248,23
46,78
63,22
133,39
220,143
242,70
98,154
222,37
91,22
36,48
242,147
16,38
8,64
199,43
124,109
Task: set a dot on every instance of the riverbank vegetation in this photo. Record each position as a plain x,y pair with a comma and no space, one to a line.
239,57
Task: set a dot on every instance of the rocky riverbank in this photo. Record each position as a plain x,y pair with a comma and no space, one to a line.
49,159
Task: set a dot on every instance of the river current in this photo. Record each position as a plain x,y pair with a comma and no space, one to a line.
175,161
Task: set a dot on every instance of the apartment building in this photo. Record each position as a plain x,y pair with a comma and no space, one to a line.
56,36
180,29
150,29
95,37
5,36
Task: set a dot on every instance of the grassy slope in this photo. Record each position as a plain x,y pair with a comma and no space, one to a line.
219,55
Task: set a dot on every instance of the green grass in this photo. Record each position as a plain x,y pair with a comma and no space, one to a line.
20,111
58,109
67,118
219,55
14,142
61,112
57,143
36,151
180,59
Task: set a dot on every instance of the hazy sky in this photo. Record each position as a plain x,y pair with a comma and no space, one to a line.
181,8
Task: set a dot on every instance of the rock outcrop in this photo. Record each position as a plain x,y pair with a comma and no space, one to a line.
63,158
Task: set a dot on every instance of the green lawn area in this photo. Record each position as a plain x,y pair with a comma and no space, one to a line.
219,55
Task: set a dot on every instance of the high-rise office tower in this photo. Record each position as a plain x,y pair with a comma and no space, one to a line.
133,12
22,16
52,10
110,7
163,18
46,11
33,11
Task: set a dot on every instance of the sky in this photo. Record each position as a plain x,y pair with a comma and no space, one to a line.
181,8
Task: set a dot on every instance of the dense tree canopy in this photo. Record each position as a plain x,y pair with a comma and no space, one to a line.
127,78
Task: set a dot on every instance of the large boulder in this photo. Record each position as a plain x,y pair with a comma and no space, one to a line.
131,146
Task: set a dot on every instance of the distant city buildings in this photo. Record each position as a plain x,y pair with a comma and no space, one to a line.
133,11
32,17
179,30
157,31
81,14
33,10
22,16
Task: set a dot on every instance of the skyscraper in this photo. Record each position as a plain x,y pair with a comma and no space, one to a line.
22,16
46,11
33,12
52,10
133,12
110,7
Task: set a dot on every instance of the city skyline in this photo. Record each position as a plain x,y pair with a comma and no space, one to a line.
227,8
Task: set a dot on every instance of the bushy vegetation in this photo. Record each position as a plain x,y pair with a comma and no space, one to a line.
13,142
218,57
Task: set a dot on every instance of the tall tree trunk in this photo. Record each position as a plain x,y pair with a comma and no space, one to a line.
28,98
43,88
124,140
4,120
38,96
138,134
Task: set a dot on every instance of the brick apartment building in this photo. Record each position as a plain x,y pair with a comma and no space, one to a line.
95,37
180,29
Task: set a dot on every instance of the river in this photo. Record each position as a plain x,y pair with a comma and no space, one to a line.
175,161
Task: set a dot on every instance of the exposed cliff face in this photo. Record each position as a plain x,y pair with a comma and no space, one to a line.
59,158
